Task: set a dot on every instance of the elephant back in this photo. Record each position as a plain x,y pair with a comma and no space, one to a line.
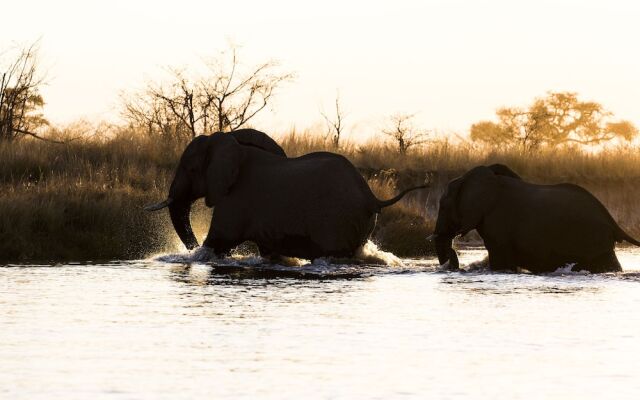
252,137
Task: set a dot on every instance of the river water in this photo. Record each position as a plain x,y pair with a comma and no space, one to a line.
237,329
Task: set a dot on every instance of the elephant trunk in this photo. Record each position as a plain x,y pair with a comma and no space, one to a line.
180,212
445,252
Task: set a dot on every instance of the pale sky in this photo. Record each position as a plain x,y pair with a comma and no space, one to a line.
453,62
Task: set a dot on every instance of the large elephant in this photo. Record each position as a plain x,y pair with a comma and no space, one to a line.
536,227
311,206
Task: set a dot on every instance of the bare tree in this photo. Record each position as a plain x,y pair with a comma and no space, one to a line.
225,98
20,101
237,97
404,133
335,125
166,110
151,114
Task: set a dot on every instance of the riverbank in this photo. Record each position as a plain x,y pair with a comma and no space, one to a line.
83,200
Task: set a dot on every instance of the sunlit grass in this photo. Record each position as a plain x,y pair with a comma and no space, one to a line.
83,200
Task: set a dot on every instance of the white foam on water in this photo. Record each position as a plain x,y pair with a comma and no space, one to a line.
447,267
207,255
371,254
568,269
482,264
320,262
292,261
201,254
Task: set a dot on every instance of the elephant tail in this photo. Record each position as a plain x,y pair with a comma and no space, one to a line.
390,202
622,235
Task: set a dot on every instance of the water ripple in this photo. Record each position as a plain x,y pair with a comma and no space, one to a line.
245,328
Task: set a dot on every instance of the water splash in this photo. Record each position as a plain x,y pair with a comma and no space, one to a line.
479,265
291,261
201,254
568,269
371,254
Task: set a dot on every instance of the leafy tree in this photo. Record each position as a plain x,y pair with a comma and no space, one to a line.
491,132
20,100
557,119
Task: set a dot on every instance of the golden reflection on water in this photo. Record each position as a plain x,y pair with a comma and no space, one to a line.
156,330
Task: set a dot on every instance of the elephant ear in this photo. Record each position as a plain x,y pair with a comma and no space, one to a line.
252,137
503,170
224,161
476,197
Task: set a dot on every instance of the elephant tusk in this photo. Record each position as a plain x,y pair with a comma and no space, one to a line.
432,237
159,206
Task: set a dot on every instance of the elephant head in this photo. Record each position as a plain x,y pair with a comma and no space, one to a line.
463,206
208,168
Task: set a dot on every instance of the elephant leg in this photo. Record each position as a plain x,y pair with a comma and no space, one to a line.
501,260
223,235
221,246
264,251
500,253
220,243
607,262
269,254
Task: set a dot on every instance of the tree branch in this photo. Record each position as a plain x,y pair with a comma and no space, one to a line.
22,131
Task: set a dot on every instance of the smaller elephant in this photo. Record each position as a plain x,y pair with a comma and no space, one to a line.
311,206
536,227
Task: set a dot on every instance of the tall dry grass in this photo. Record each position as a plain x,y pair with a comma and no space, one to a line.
611,174
84,200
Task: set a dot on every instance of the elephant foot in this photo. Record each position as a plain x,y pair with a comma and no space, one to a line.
273,258
449,267
607,262
205,254
285,260
476,266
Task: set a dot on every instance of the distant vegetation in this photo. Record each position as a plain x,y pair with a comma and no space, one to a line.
223,96
77,192
20,99
555,120
83,200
